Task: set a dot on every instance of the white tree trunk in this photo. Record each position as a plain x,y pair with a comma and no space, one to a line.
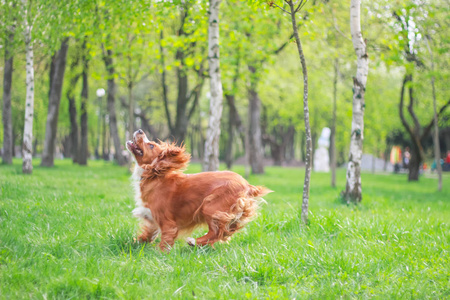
27,148
353,186
211,156
307,181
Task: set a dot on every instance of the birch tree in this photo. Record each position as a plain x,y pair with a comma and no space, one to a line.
211,156
353,192
27,166
294,8
306,183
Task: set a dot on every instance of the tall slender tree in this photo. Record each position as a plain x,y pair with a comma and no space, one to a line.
306,184
83,149
27,148
353,191
211,156
294,8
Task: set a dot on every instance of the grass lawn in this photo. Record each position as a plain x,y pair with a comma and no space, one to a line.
67,233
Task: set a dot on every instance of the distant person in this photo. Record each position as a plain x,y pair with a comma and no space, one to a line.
446,164
396,158
406,158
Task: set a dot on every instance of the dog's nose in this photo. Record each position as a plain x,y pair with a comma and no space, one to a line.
140,131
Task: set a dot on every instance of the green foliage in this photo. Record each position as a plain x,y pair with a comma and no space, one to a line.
251,32
67,232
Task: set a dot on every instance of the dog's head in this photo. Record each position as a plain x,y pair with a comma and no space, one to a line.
143,150
157,158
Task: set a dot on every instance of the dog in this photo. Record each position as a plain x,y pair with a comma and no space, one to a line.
173,204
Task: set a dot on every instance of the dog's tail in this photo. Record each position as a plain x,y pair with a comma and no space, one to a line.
257,191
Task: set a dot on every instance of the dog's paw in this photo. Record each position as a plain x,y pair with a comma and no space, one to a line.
190,241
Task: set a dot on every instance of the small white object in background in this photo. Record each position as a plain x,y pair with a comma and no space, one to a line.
322,156
100,92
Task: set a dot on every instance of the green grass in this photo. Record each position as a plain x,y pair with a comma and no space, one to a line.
68,233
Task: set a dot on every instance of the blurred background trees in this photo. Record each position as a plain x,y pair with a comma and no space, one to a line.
150,57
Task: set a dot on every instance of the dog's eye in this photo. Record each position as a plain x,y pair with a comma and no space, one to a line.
151,146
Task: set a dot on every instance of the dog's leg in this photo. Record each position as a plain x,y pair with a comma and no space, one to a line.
168,235
149,232
209,238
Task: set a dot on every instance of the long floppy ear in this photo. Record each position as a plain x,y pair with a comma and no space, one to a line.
172,158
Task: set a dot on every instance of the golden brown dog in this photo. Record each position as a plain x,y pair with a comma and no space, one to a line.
173,204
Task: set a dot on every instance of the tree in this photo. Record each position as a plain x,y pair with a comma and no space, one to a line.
259,29
437,150
211,156
70,94
294,8
56,84
7,82
27,166
353,192
83,149
410,26
183,51
111,93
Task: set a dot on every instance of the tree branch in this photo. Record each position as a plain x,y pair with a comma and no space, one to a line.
274,4
411,108
164,84
402,95
427,129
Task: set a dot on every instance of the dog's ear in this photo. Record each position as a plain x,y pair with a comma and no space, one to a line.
172,158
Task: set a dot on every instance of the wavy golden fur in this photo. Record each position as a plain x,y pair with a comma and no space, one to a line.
173,203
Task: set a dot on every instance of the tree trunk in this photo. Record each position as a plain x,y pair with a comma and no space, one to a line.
164,84
333,126
290,145
231,122
7,115
131,119
83,152
99,126
27,166
277,151
255,149
53,105
211,154
73,136
279,140
66,146
414,164
437,148
306,184
114,131
353,191
181,121
73,122
105,150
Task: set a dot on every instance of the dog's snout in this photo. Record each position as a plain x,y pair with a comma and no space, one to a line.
138,133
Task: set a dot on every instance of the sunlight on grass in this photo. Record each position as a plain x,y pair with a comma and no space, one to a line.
67,232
